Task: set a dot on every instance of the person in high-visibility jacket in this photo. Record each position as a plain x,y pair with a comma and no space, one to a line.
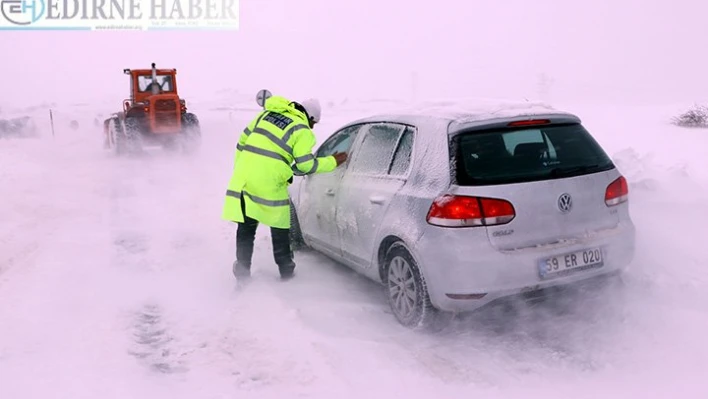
263,168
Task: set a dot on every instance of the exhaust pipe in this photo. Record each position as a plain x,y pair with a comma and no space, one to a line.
154,80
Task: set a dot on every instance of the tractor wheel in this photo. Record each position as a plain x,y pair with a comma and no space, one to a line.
110,132
128,139
191,135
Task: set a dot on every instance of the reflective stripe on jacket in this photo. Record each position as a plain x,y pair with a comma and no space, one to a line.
277,137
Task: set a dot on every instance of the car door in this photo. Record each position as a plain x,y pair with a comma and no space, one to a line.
317,204
373,178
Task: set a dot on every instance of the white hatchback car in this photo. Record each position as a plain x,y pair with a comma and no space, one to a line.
453,210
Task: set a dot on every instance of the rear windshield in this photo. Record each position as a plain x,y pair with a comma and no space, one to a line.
526,154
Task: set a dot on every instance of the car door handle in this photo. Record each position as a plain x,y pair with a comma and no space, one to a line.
377,199
330,192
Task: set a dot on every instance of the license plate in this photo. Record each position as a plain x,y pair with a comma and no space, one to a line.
561,265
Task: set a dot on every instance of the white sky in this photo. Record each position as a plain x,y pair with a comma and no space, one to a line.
629,49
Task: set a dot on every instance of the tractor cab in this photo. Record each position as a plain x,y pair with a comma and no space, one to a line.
154,98
163,83
145,83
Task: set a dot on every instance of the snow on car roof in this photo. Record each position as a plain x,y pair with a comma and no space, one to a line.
464,111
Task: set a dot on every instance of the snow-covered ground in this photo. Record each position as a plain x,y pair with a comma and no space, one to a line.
115,282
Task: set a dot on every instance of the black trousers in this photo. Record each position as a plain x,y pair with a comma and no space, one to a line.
246,235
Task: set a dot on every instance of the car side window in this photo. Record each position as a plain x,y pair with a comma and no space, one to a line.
402,156
376,150
340,141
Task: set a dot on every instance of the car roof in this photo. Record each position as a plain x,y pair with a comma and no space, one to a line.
463,115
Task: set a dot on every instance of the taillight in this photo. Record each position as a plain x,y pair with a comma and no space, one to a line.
462,211
617,192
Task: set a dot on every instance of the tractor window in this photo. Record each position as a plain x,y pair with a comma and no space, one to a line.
145,83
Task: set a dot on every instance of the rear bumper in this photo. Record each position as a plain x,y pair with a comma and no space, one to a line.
477,268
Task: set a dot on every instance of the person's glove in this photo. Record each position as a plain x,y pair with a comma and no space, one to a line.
340,157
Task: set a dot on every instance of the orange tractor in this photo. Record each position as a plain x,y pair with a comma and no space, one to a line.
154,115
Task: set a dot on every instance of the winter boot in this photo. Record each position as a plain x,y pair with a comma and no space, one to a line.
287,270
241,271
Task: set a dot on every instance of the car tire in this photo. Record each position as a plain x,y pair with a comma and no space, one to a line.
407,292
297,243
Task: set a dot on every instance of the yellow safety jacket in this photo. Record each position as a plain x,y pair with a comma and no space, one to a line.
277,137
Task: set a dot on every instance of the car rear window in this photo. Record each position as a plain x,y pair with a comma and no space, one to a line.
503,156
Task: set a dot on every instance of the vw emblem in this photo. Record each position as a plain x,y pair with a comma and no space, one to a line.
565,203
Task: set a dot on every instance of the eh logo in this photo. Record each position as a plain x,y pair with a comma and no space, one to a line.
22,12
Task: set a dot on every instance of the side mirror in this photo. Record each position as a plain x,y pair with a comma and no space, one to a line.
262,96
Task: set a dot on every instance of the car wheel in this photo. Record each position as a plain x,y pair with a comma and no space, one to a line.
297,243
408,293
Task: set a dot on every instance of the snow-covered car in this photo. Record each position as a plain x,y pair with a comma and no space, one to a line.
453,210
20,127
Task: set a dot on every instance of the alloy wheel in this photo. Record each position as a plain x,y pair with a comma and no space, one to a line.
402,287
